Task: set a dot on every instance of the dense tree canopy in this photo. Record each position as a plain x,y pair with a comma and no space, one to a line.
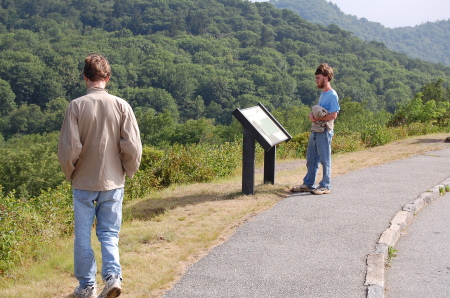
180,60
429,41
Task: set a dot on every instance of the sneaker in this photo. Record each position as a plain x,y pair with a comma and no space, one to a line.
113,287
85,292
320,191
301,188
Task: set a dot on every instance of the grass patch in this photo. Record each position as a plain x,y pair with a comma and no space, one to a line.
172,228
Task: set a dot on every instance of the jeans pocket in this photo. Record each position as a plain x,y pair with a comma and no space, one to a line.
115,195
84,196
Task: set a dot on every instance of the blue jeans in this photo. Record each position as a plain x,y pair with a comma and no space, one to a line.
107,207
319,152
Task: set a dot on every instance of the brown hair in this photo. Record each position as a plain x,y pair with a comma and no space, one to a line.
96,68
325,70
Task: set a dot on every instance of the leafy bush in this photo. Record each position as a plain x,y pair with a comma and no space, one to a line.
146,179
296,147
376,135
29,164
346,141
199,163
27,225
421,128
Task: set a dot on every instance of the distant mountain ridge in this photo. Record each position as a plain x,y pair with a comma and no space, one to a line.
429,41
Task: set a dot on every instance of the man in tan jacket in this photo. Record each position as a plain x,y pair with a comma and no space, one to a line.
99,144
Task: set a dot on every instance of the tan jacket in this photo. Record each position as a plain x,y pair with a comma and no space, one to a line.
99,142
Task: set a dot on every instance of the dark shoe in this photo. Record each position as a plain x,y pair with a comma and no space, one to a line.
301,188
320,191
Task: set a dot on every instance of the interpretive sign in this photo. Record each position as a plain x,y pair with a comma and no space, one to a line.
261,126
268,132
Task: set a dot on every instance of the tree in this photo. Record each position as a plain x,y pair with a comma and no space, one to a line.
435,91
7,96
156,128
27,119
53,115
158,99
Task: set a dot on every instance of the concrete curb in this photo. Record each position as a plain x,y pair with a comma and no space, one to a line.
377,260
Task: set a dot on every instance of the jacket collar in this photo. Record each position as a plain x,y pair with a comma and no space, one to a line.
96,89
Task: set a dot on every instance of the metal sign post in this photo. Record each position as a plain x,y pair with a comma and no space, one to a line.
248,164
269,165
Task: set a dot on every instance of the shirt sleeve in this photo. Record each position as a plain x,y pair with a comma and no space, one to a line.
69,144
330,101
130,143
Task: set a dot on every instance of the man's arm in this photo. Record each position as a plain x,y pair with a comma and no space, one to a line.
328,117
69,145
130,144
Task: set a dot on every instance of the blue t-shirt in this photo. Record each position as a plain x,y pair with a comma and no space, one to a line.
330,101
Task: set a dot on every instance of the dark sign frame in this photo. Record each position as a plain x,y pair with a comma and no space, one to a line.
267,131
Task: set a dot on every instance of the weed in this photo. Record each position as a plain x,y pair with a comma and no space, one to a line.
392,253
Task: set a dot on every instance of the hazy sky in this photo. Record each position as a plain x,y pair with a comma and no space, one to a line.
396,13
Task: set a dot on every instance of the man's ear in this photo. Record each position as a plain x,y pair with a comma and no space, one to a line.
107,79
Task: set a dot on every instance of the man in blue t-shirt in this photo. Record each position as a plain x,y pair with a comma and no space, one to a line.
319,144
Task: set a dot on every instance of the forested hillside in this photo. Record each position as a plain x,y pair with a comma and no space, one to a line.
429,41
179,60
185,66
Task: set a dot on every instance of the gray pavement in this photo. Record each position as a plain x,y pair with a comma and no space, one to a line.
422,265
317,246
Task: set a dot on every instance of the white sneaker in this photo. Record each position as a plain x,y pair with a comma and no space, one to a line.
113,287
86,292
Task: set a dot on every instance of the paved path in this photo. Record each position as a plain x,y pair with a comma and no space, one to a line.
314,246
422,265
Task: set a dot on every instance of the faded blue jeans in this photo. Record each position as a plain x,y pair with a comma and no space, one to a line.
319,152
106,206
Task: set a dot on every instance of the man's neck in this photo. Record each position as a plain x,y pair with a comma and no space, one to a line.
98,84
327,88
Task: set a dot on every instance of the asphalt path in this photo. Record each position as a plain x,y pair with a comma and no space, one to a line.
315,245
421,267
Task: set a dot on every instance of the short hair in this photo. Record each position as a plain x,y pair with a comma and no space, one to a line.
96,67
325,70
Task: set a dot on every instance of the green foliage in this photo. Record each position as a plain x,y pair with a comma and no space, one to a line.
29,164
377,135
416,110
296,147
7,96
184,66
199,163
347,141
428,41
189,62
28,225
147,178
357,117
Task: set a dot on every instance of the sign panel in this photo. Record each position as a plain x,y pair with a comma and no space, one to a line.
265,128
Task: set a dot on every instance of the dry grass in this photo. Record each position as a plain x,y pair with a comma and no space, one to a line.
175,227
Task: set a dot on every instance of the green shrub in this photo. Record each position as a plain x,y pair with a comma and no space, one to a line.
199,163
376,135
182,164
147,178
27,225
29,164
421,128
346,141
295,148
